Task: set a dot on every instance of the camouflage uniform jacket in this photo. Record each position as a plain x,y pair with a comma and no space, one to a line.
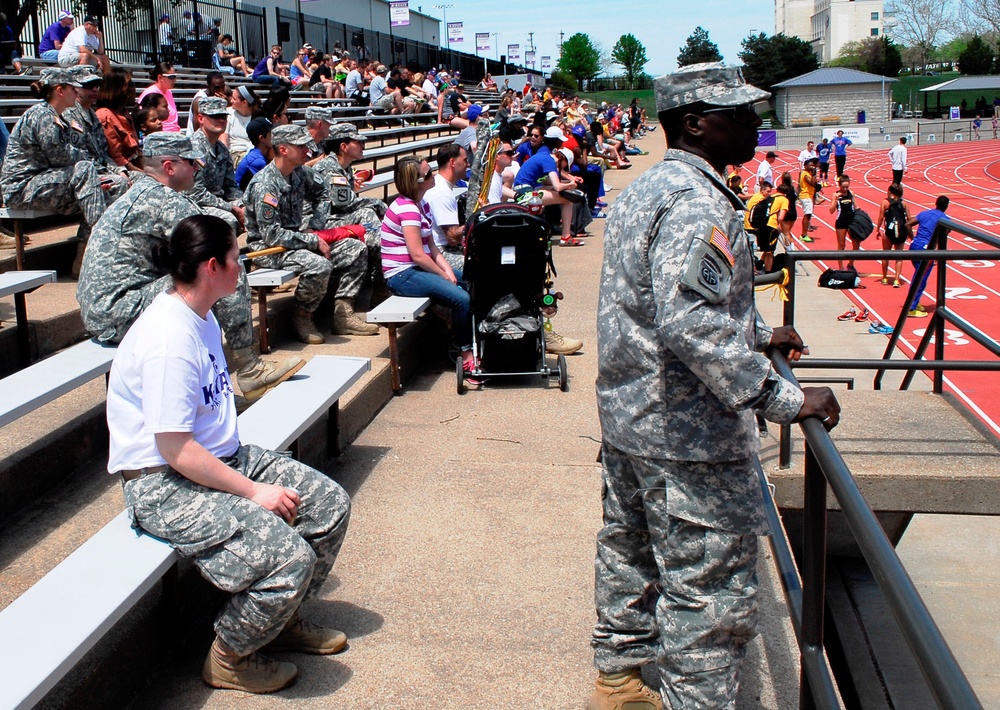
340,181
274,208
39,143
678,332
91,140
215,183
119,255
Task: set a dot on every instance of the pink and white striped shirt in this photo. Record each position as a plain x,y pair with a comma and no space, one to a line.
403,212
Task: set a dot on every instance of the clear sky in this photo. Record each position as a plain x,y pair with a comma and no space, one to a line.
661,25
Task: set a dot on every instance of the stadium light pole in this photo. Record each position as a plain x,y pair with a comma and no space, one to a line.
444,9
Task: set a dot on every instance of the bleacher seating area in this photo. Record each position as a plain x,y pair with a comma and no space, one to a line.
51,380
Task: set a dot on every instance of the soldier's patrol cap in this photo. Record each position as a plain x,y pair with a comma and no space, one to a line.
84,74
212,106
318,113
168,143
291,134
710,82
57,76
346,132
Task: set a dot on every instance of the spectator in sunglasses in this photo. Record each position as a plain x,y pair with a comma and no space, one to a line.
164,79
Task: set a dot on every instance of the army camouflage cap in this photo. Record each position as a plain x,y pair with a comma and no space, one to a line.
169,143
84,74
212,106
318,113
56,76
291,134
346,132
711,82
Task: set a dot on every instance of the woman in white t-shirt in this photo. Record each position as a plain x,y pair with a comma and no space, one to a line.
240,110
257,524
411,263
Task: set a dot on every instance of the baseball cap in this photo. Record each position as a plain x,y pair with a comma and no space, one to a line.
710,82
54,76
551,116
771,154
516,118
473,112
567,153
380,69
344,132
318,113
92,19
212,106
84,74
65,15
169,143
555,132
292,134
578,131
257,128
164,17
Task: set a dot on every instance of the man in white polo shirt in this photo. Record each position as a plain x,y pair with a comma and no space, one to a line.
764,171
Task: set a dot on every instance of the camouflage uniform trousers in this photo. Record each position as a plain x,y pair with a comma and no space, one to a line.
233,312
370,220
670,590
269,566
65,190
455,256
348,261
225,215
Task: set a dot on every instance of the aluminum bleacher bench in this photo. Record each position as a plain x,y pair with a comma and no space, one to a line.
392,313
17,284
45,631
17,216
260,281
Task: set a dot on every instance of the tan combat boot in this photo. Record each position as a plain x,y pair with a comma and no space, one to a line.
74,272
305,328
623,691
301,636
253,674
346,321
559,345
256,376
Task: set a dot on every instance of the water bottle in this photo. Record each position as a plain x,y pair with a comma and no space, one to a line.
535,203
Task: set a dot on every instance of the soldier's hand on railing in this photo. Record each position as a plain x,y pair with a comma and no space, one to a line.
821,403
787,340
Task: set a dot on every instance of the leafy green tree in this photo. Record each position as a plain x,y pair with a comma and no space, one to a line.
580,58
770,60
698,48
888,61
977,59
631,55
877,55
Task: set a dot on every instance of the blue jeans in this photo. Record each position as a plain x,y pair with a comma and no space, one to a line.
4,139
50,55
417,282
268,79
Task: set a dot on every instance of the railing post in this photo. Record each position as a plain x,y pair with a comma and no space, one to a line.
942,243
813,568
787,318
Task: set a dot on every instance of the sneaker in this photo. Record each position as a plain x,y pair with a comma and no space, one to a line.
24,72
880,329
862,316
255,673
623,691
559,345
895,284
468,367
807,239
301,636
849,314
601,203
921,307
916,314
597,214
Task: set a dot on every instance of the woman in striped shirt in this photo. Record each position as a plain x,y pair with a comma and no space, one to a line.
411,263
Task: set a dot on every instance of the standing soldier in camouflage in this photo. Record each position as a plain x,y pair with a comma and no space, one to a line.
215,189
680,376
120,276
347,207
257,524
275,201
43,168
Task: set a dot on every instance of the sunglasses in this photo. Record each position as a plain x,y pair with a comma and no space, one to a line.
509,153
426,176
169,76
744,113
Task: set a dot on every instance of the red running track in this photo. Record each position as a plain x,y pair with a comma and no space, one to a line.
969,174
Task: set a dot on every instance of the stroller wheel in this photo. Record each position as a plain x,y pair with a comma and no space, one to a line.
460,372
563,373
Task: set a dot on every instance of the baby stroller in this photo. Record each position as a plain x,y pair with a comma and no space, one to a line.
507,260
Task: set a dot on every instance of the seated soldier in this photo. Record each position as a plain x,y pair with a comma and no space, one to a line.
120,277
275,201
215,189
318,122
346,146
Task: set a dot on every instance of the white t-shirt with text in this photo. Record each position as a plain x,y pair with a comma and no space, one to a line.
444,208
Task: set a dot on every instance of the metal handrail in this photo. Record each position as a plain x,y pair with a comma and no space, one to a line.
824,465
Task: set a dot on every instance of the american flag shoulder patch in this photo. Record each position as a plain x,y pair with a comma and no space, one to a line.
270,199
720,241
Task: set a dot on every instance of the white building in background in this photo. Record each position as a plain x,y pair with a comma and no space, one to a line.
829,24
